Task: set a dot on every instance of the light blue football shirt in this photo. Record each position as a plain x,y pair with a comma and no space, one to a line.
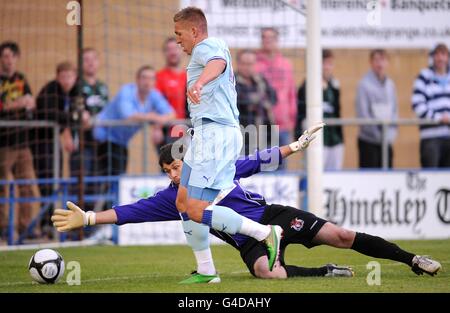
218,98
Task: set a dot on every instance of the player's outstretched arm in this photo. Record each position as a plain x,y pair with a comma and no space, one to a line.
303,141
74,218
211,71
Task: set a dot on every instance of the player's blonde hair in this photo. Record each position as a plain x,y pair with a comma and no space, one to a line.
192,15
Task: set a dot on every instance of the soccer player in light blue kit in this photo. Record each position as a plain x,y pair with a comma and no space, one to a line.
209,169
300,227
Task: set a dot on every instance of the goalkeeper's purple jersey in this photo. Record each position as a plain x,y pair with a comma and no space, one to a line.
161,206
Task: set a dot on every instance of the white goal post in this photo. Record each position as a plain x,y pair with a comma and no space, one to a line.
314,111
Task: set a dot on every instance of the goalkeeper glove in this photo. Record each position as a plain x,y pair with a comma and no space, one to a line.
305,139
66,220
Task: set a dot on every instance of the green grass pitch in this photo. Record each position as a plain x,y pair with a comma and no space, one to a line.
160,268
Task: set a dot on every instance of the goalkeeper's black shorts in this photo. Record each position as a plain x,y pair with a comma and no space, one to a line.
299,227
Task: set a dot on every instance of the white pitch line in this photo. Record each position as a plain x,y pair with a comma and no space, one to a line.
107,279
49,245
239,272
388,264
88,280
15,283
158,275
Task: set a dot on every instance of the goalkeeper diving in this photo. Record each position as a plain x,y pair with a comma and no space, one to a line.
299,227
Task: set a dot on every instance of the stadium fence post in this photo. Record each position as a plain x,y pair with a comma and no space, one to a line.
64,185
384,140
115,228
11,213
56,160
79,104
145,139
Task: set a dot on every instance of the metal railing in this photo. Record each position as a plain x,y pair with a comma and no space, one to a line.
60,186
60,194
384,128
145,133
385,124
106,123
41,124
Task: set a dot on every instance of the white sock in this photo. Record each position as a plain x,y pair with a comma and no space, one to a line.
254,229
205,263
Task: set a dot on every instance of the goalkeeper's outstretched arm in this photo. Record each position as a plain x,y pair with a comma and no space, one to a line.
303,141
74,218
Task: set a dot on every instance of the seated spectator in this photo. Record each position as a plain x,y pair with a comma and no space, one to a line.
376,98
431,100
333,151
138,101
16,160
255,100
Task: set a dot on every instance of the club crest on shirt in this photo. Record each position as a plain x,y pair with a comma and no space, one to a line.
297,224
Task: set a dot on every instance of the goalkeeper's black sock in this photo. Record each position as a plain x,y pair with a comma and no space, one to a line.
297,271
379,248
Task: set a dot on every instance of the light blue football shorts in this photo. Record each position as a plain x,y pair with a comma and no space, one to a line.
209,162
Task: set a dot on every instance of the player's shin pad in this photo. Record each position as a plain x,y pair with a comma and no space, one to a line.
222,219
197,235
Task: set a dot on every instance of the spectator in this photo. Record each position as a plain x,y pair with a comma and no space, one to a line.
95,94
376,98
255,99
332,135
54,104
171,82
431,100
279,73
16,160
134,102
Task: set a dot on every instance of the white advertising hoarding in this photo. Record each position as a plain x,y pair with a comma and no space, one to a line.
393,205
131,189
276,188
345,23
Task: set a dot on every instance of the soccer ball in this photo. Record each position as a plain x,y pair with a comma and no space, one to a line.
46,266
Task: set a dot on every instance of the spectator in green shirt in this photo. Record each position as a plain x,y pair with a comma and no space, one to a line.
332,135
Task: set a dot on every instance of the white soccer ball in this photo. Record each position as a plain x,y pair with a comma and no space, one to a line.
46,266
